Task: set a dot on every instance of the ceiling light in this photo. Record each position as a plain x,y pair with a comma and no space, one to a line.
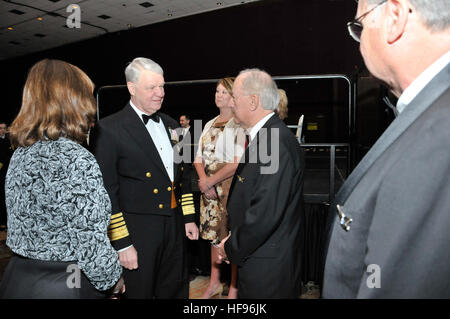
146,4
18,12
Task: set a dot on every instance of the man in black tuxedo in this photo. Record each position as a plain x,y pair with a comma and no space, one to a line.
150,191
266,196
187,140
389,234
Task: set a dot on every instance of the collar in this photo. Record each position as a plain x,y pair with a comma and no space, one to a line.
138,112
255,129
421,81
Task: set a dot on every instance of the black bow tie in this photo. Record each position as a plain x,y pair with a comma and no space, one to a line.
154,117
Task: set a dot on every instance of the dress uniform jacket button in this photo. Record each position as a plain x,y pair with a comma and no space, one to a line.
182,168
161,206
169,188
155,191
148,175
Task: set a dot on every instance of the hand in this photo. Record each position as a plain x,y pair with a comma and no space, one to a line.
203,184
128,258
191,231
221,250
118,289
211,194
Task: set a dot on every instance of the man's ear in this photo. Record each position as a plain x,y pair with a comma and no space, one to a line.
254,101
397,12
131,88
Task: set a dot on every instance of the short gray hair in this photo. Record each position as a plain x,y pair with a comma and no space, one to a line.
133,70
256,81
435,14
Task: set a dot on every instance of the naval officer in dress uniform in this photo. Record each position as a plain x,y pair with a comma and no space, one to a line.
150,191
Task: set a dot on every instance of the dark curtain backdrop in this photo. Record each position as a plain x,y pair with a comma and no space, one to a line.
284,37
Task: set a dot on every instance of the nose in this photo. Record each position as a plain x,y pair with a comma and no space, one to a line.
159,91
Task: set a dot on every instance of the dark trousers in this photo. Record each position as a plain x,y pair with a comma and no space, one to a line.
35,279
160,245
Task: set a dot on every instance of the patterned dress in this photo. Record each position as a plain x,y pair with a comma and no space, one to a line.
213,214
59,210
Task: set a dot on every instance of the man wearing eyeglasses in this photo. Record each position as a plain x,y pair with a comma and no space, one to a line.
389,236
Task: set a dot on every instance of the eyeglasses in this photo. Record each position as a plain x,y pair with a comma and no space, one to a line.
355,27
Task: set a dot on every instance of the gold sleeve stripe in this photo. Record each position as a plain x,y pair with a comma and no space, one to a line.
188,210
190,202
115,216
117,234
117,220
187,195
115,226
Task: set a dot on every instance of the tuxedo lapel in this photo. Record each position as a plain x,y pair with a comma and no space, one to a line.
421,102
165,120
253,148
136,128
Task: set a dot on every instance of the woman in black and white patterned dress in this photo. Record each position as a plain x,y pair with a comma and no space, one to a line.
58,208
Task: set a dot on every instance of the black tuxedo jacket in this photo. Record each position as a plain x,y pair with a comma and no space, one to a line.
265,207
134,174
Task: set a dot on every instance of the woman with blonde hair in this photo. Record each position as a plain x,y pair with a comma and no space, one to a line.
220,148
282,109
58,208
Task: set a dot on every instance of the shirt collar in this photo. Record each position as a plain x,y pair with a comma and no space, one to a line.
139,112
421,81
255,129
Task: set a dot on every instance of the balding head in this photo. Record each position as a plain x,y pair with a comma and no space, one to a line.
258,82
255,95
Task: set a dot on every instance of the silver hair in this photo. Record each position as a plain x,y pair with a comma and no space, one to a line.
260,83
435,13
133,70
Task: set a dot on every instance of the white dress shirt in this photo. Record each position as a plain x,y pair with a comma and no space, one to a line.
421,81
255,129
158,133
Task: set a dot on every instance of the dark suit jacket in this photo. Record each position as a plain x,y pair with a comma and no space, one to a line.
133,171
187,144
398,198
265,215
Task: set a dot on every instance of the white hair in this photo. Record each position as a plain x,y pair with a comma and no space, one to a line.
133,70
434,13
256,81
